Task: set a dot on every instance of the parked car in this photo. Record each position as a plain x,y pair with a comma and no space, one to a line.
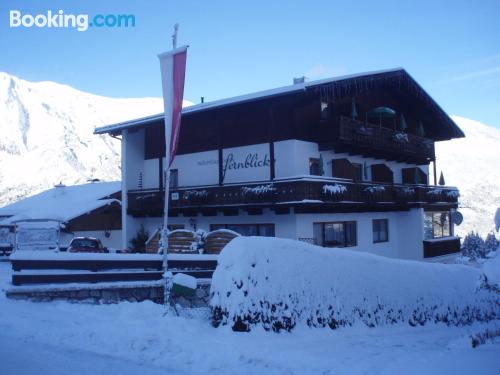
86,245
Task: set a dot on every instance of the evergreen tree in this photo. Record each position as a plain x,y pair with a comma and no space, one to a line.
138,243
441,179
473,246
491,243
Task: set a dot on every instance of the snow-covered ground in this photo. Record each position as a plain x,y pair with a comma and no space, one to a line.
130,338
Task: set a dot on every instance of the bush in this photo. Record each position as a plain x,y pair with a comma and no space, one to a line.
491,243
279,284
138,243
473,246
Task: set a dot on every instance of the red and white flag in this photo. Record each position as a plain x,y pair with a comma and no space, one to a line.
173,70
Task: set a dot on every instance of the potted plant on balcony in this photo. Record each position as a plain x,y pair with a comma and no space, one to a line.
258,193
196,196
334,191
373,192
404,192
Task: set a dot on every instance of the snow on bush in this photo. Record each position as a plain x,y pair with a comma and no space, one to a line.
334,189
258,190
491,243
435,192
374,189
491,269
401,137
473,246
196,194
278,284
405,191
453,194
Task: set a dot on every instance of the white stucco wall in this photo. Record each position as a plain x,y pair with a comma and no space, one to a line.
405,231
201,168
405,228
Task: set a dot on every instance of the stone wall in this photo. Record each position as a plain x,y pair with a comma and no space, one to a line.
114,294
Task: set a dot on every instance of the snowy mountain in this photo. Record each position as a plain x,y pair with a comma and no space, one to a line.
473,165
47,138
46,135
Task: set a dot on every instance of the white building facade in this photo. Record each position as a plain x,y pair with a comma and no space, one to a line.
338,163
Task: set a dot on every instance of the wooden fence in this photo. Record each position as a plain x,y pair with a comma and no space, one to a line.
92,268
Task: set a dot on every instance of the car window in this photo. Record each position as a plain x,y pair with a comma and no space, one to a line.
85,243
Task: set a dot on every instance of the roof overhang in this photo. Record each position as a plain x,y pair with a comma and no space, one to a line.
330,87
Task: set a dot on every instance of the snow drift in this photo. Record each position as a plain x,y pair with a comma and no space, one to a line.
278,284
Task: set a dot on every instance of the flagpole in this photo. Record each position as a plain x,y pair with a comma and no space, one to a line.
172,94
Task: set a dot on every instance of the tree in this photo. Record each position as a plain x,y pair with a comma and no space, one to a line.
138,243
491,243
441,179
473,246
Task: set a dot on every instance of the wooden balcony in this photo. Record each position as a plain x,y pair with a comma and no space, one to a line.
373,140
331,194
441,246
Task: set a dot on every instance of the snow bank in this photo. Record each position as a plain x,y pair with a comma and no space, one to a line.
278,283
185,280
491,269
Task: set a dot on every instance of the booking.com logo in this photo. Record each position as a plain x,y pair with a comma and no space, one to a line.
80,22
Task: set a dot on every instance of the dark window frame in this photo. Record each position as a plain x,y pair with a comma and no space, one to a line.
258,226
376,223
435,223
173,182
344,225
314,163
358,171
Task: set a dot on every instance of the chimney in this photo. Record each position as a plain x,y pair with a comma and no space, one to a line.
298,80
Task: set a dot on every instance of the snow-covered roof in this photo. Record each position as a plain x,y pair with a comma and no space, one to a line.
240,99
61,203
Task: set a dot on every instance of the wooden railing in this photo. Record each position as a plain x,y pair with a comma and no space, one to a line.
299,191
62,268
363,134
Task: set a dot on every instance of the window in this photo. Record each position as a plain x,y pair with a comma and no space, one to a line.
266,230
314,168
336,234
175,226
174,179
436,224
380,230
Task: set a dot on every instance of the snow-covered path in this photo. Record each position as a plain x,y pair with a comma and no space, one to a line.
126,338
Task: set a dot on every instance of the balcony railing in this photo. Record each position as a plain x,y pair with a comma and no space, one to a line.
384,140
305,191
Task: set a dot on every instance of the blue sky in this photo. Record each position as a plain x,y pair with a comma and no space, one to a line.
452,48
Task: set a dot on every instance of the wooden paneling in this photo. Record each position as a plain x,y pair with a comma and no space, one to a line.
382,173
229,198
414,176
441,247
108,217
343,168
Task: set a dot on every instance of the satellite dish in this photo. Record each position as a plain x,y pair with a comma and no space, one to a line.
457,218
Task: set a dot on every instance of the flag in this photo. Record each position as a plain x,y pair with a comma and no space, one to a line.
173,70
